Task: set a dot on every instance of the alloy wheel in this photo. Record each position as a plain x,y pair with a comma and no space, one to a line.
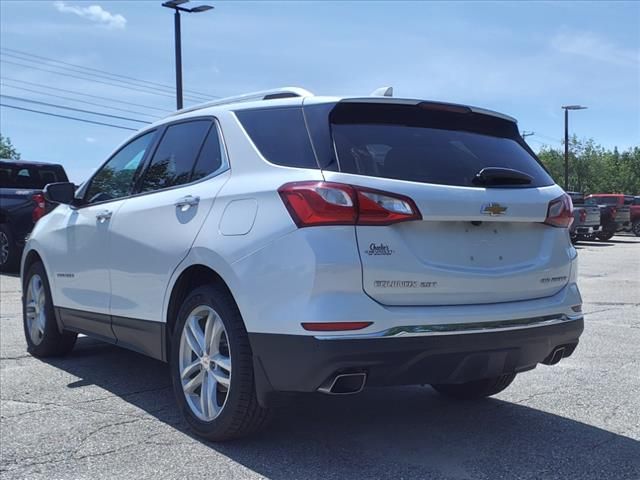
35,308
205,363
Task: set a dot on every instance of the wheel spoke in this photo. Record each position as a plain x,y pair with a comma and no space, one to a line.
209,327
207,396
194,383
190,369
222,362
194,336
222,377
216,335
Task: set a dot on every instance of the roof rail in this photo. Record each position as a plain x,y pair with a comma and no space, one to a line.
284,92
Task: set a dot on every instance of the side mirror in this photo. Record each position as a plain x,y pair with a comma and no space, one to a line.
61,192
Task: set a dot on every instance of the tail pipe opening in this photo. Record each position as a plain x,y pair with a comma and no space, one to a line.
344,383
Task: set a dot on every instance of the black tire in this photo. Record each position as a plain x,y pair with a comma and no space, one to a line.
9,251
51,342
605,236
635,228
241,415
476,389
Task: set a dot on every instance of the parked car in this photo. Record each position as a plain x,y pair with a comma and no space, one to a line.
635,216
615,213
22,204
283,242
586,218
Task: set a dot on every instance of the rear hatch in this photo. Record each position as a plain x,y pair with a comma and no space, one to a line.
479,239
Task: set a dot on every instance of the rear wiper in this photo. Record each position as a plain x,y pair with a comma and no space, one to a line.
490,176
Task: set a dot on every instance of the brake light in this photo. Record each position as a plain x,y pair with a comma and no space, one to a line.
560,212
583,216
614,212
328,203
39,210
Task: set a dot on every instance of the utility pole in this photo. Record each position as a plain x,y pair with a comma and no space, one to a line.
566,109
175,5
526,134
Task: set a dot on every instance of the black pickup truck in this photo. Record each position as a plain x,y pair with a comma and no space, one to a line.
22,204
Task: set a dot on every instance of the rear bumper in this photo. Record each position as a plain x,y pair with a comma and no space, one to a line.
587,230
297,363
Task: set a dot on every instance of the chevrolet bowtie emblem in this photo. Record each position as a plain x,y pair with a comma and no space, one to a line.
493,209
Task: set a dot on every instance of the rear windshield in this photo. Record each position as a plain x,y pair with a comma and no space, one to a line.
30,177
407,142
606,200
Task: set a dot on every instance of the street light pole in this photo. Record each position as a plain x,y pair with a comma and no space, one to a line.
175,5
178,41
566,109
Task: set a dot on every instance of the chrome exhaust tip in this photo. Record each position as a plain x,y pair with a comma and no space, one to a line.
344,384
555,356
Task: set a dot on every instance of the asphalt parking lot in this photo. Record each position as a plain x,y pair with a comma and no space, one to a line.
103,412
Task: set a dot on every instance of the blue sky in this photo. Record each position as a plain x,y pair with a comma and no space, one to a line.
522,58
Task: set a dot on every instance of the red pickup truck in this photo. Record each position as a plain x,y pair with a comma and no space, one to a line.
635,215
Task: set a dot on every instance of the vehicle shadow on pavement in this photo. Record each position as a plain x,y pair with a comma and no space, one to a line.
403,432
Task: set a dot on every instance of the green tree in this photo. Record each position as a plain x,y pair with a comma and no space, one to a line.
7,150
594,169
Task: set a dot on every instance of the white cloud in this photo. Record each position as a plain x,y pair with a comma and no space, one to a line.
590,45
90,140
95,13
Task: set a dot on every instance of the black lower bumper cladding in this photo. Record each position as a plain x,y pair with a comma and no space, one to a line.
297,363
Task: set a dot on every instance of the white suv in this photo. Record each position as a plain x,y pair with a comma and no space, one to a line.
285,242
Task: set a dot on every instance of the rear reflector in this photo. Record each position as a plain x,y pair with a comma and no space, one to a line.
577,308
560,212
335,326
329,203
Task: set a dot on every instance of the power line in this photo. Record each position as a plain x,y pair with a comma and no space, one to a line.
67,117
20,99
77,100
85,94
149,92
167,90
102,71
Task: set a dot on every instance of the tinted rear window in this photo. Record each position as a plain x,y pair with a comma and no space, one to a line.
30,177
606,200
407,142
280,135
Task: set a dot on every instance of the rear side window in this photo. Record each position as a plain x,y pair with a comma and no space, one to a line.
280,135
175,156
407,142
30,177
210,158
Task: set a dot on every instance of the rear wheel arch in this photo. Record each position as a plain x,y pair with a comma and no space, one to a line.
32,257
191,278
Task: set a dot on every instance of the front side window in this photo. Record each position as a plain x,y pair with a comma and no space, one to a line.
115,179
175,156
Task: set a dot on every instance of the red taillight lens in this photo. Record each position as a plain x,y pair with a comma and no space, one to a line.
39,210
614,212
334,326
583,216
560,212
329,203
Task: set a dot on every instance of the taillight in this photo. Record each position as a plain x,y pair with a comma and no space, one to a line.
614,212
583,216
328,203
560,212
39,210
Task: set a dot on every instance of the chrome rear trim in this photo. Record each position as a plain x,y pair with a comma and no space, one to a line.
458,328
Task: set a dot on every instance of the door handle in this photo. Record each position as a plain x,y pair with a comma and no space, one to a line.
104,215
186,202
